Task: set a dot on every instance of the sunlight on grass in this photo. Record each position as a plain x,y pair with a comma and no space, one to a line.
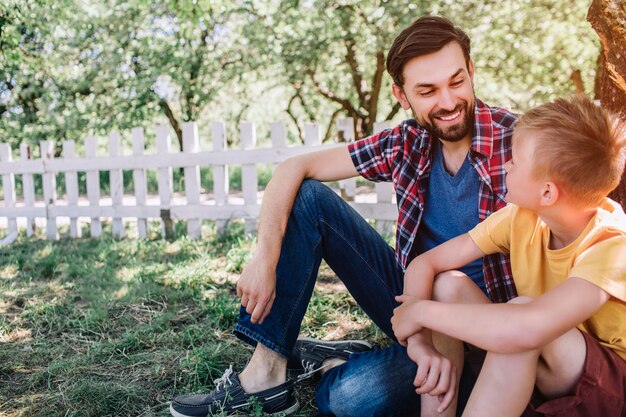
9,271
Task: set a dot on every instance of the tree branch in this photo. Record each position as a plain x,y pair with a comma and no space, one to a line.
377,82
394,110
345,104
329,129
173,121
357,79
293,117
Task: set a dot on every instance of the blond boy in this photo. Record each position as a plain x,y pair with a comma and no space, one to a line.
561,345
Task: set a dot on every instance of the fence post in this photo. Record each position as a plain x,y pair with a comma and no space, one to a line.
28,189
384,191
312,134
71,186
116,186
93,186
192,177
164,178
249,179
346,128
220,173
139,181
8,186
49,189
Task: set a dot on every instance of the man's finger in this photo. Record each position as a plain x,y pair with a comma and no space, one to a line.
244,300
257,313
266,311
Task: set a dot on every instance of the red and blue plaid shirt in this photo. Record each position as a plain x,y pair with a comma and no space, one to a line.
403,155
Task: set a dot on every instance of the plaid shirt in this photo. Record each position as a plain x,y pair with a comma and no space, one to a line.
403,155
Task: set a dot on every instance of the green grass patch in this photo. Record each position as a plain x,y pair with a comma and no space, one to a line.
101,327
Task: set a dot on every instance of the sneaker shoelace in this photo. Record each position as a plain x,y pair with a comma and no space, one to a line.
224,380
309,369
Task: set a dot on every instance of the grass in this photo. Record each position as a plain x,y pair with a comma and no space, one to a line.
100,327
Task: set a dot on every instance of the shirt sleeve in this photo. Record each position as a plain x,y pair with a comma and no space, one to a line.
374,155
604,264
493,235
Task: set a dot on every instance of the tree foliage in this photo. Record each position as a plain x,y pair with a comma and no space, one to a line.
72,68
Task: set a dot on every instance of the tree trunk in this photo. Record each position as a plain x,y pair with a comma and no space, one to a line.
608,19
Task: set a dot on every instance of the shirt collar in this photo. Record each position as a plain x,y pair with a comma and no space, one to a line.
482,139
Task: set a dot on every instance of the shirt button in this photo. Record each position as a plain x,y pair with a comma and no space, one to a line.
420,172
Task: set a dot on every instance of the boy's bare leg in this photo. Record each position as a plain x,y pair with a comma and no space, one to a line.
506,381
265,370
453,350
451,287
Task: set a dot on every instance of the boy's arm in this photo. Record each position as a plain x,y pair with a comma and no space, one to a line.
507,328
455,253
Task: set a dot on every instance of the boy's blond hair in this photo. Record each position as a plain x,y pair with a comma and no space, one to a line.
578,145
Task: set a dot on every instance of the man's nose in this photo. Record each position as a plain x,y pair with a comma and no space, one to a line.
447,100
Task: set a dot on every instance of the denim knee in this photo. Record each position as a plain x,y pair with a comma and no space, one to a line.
377,383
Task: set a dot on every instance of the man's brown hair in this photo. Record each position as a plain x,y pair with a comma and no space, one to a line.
578,145
426,35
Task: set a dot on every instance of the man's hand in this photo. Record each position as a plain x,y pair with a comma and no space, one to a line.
436,375
257,289
405,321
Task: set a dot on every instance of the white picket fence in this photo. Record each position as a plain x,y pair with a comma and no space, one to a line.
220,207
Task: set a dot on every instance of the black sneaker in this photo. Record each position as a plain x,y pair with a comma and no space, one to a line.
229,397
308,354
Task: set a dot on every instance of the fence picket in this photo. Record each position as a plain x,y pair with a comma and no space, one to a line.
139,181
165,181
220,173
28,190
71,186
384,191
93,187
8,186
249,178
116,186
312,135
192,176
221,208
345,127
49,189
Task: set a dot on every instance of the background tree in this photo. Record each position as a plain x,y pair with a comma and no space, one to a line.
608,18
72,68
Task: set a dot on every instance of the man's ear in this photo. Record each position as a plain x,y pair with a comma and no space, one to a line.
549,194
398,93
470,69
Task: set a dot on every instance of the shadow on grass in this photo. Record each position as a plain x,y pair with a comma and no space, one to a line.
101,327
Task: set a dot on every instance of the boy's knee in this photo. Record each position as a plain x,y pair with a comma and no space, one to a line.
522,299
449,286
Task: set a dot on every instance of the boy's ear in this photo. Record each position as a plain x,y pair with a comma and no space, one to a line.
398,93
549,194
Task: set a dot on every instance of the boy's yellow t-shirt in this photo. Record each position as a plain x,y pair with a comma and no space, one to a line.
598,255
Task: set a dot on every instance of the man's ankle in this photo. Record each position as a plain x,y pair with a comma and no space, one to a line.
330,363
266,369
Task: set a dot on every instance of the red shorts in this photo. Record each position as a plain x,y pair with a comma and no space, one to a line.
600,391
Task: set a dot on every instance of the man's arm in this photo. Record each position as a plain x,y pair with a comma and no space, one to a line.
257,284
507,328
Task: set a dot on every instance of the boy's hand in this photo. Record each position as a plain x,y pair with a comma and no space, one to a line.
257,289
436,375
404,321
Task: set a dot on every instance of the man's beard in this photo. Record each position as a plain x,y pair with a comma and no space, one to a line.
453,133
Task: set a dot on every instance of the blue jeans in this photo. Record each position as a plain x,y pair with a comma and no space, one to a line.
323,226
